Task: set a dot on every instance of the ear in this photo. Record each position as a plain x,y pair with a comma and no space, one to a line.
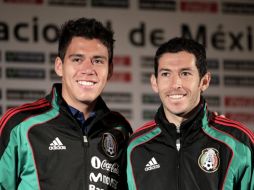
59,66
110,70
154,85
205,81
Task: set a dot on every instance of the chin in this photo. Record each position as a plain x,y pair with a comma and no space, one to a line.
86,101
179,112
86,97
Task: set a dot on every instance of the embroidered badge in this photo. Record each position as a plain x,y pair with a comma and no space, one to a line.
209,160
109,145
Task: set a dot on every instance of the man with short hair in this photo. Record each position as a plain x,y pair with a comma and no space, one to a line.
186,146
70,139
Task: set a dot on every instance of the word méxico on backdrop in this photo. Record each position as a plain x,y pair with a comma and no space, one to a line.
217,38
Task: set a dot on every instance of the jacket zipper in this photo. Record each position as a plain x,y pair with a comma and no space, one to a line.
85,139
178,147
178,143
85,142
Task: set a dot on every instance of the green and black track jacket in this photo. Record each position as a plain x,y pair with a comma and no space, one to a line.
42,147
207,152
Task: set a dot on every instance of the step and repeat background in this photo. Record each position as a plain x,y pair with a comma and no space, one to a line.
28,47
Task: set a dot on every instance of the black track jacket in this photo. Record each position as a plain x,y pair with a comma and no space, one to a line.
215,153
42,147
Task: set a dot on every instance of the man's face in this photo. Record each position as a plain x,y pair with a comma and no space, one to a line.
178,83
84,71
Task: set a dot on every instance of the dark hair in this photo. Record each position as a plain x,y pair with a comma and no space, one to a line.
181,44
86,28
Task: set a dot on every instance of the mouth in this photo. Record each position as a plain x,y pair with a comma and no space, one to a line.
86,83
176,96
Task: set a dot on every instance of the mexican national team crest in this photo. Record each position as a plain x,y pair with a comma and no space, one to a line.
209,160
109,145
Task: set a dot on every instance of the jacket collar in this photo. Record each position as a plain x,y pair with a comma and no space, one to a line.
188,128
100,108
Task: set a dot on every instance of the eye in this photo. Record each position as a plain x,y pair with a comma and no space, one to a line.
77,60
185,73
165,74
98,61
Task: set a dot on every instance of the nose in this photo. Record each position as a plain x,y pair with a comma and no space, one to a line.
87,67
176,81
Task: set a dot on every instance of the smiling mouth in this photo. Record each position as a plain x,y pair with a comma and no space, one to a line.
176,96
86,83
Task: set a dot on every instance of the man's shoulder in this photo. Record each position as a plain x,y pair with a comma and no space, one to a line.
147,126
117,120
145,129
116,117
233,129
16,115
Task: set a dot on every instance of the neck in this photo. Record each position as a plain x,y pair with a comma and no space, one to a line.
175,119
179,119
85,108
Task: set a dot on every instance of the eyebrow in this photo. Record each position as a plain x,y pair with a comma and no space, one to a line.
100,57
76,55
162,69
182,69
187,68
94,57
